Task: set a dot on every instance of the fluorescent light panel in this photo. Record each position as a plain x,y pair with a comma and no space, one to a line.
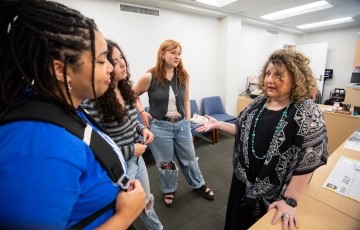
217,3
315,6
326,23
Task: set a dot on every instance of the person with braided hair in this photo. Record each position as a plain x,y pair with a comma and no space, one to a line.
54,57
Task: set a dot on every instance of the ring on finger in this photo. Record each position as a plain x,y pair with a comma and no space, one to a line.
286,216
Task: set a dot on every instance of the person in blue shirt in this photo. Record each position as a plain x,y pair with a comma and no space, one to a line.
50,178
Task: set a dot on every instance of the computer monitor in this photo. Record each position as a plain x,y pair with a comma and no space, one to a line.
355,78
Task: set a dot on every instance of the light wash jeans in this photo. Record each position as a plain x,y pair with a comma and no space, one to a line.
175,140
137,170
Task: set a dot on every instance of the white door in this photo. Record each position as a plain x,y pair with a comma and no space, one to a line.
317,53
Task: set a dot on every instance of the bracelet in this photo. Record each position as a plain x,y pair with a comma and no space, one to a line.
141,112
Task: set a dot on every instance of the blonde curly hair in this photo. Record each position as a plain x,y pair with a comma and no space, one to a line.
297,65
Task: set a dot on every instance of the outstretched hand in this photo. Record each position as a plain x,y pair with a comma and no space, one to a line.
210,124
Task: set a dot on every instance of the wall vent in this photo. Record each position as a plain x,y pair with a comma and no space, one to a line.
273,32
138,10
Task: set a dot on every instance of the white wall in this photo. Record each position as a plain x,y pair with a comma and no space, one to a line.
256,47
219,54
341,52
228,79
140,37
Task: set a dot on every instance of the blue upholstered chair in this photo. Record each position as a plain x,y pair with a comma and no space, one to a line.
195,109
213,107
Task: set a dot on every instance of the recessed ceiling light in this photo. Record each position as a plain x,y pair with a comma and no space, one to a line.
315,6
326,23
217,3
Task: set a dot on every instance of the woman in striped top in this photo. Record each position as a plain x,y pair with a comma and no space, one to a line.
122,125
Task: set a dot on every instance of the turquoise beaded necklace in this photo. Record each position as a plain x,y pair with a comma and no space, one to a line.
277,130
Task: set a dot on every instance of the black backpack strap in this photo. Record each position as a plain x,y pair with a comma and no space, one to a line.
44,111
110,162
48,111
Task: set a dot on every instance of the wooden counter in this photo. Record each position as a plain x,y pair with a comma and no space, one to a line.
320,208
242,102
339,127
352,96
313,215
314,189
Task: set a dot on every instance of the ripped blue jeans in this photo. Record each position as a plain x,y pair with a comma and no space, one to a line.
137,170
175,140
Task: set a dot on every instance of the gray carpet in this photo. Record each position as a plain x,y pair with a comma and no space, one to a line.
190,211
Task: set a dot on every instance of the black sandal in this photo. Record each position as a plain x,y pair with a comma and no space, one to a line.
205,192
169,196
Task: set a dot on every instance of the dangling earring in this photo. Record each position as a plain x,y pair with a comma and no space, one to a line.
68,86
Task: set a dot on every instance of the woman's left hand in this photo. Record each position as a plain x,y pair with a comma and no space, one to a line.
286,213
147,136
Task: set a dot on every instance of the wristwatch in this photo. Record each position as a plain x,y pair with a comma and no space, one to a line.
290,201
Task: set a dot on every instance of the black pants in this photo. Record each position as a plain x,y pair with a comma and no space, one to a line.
239,217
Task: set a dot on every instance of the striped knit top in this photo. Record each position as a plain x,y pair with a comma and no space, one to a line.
126,134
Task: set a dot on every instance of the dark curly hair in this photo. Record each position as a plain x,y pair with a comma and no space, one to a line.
110,108
34,33
298,66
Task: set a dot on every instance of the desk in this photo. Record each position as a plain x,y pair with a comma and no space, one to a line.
339,126
313,215
242,102
352,96
320,208
314,189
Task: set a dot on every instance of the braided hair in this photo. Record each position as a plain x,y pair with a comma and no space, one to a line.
34,33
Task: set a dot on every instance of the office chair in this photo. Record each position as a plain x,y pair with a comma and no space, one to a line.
213,107
194,109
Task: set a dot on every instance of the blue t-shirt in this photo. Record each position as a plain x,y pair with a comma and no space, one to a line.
49,178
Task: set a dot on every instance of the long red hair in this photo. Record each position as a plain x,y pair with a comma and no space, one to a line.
159,69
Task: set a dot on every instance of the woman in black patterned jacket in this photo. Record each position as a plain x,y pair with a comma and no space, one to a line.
280,139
